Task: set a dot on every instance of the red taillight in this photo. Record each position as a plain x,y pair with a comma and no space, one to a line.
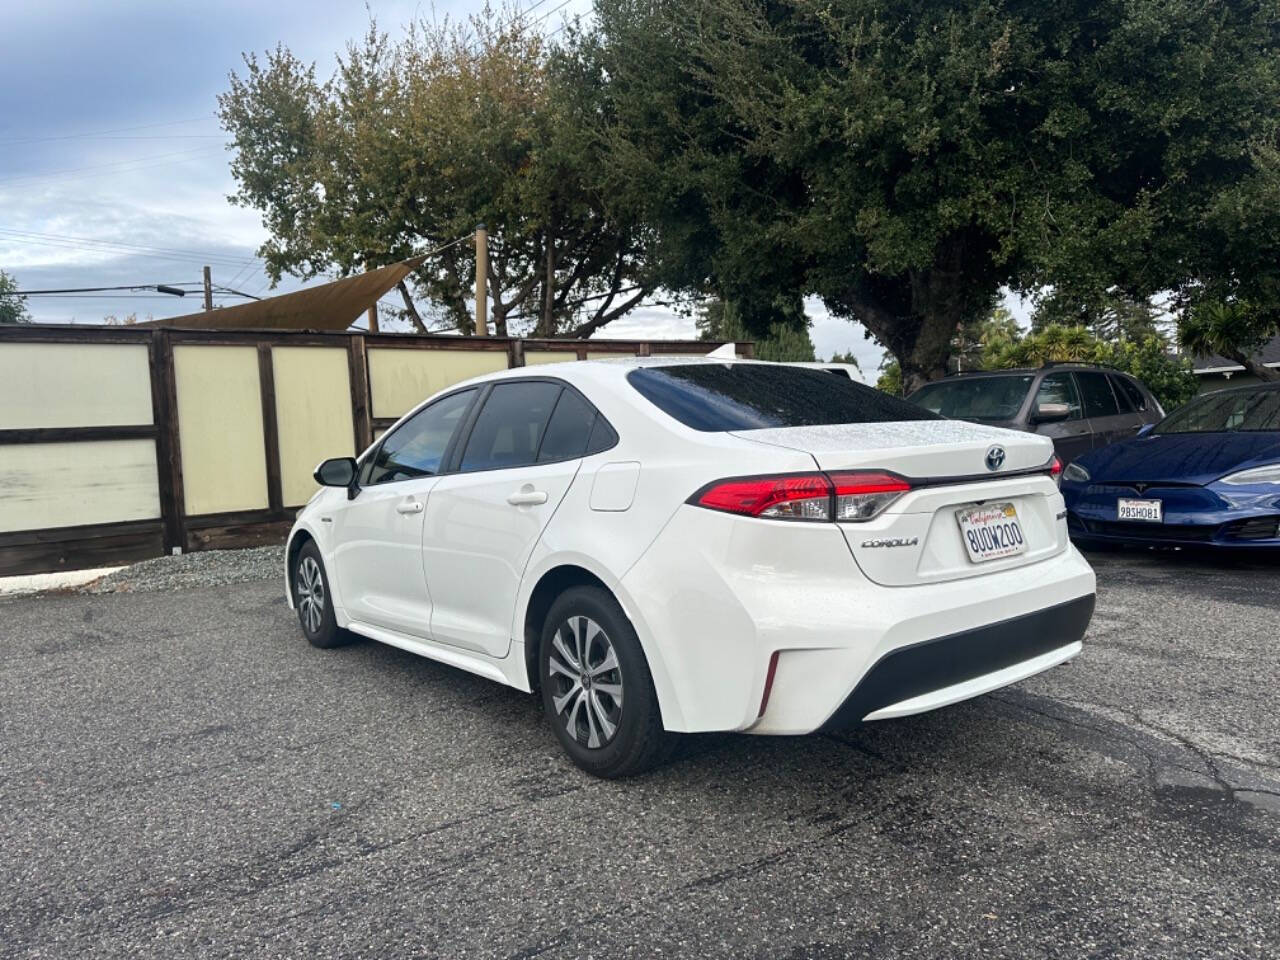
801,496
1055,469
851,495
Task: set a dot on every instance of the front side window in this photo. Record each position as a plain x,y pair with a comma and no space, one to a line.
1099,401
1222,412
509,429
747,396
1060,388
417,446
975,398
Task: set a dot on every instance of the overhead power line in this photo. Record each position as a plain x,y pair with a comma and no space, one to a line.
138,163
117,246
104,133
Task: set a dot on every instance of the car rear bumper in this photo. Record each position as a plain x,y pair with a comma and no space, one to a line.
723,604
935,673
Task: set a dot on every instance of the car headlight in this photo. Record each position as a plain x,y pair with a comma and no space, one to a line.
1267,474
1075,473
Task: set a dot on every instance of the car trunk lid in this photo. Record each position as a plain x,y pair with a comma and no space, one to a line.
920,538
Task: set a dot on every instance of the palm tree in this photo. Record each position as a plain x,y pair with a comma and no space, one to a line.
1229,329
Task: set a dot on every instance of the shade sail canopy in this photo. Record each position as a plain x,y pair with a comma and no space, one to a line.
326,306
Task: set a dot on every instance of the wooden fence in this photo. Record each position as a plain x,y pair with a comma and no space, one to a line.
118,444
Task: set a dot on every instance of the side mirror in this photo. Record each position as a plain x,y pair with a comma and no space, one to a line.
1050,413
336,472
1145,429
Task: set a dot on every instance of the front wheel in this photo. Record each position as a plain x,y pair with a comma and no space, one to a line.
597,691
313,600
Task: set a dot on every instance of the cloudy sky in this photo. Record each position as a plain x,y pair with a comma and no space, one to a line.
113,169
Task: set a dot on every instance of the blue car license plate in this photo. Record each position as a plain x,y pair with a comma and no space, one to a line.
1150,511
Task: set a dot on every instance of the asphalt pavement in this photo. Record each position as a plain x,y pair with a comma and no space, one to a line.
181,775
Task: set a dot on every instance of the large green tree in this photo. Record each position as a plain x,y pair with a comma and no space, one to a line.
13,309
416,140
906,161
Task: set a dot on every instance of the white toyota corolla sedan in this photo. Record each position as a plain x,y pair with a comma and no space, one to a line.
669,545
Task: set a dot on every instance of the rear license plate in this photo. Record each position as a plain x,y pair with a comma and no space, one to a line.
991,532
1149,510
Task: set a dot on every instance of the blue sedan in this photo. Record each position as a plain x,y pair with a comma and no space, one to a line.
1206,475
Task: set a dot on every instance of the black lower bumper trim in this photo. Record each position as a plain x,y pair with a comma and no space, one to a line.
933,664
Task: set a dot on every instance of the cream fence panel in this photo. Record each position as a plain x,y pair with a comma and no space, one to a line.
400,379
534,357
313,414
74,385
73,484
220,428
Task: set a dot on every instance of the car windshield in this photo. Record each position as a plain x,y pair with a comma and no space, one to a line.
1246,412
750,396
975,398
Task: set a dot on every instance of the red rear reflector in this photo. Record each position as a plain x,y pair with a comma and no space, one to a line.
1055,466
801,496
768,683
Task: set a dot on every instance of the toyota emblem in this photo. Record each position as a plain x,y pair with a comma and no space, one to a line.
995,458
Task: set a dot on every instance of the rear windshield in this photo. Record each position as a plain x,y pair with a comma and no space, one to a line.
975,398
1226,412
747,396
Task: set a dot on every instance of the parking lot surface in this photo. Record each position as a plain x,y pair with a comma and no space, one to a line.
181,775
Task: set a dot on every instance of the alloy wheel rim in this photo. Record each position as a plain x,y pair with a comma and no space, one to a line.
310,586
586,682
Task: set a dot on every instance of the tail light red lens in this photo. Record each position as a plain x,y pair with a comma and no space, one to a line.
858,495
1055,469
802,496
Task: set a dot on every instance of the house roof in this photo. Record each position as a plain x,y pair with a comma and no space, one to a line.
1212,363
325,306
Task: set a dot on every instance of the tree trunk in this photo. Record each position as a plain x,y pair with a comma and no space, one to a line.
916,315
1255,366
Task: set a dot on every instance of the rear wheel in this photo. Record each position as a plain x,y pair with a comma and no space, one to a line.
597,691
313,600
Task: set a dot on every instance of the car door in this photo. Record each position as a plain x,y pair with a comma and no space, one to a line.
378,535
514,467
1071,437
1101,408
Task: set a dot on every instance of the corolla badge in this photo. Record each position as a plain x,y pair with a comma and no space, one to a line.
892,542
995,458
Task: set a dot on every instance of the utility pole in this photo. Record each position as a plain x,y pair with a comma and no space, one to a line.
208,289
482,279
373,317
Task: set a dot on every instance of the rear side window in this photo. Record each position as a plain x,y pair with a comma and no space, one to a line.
1130,390
1096,392
569,430
510,426
747,396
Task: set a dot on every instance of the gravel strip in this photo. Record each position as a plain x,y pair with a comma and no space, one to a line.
208,568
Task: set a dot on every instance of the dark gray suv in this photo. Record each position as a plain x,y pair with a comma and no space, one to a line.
1080,407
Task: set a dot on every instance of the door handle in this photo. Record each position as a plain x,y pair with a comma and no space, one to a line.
409,507
524,498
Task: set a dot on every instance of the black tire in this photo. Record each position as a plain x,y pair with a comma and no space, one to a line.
318,624
638,741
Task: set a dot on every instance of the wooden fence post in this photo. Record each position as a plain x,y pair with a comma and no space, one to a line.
164,411
270,429
358,375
